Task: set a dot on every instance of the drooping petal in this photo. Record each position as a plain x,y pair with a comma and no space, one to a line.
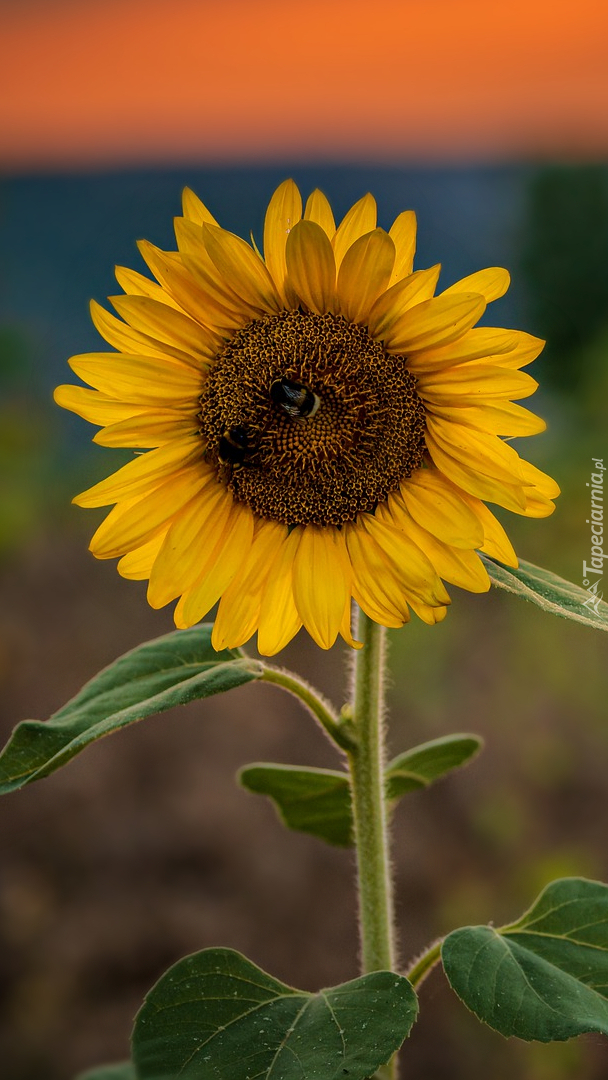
438,508
137,565
279,617
220,567
239,609
321,582
496,543
189,542
132,523
376,587
477,450
415,571
458,565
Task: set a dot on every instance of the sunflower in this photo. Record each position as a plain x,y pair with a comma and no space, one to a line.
319,425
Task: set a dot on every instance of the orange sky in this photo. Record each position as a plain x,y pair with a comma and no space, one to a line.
106,82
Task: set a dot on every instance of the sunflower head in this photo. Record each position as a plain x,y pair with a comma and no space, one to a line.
320,425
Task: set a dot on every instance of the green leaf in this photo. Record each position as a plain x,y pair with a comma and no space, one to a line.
419,767
550,592
124,1071
544,977
171,670
314,801
216,1016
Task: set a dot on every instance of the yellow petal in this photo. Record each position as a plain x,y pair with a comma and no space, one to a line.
135,284
195,210
403,234
364,274
284,211
311,267
318,210
486,343
470,480
184,282
468,384
124,338
497,418
132,523
477,450
375,587
93,406
491,283
346,628
189,542
538,479
391,305
496,543
438,508
321,582
435,322
360,219
459,566
140,379
239,264
220,567
137,564
149,429
537,505
194,342
145,472
415,571
225,309
279,618
239,609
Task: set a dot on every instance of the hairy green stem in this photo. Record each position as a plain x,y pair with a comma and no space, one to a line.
366,761
314,702
425,963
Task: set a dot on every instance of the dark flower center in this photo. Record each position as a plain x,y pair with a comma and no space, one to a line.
310,421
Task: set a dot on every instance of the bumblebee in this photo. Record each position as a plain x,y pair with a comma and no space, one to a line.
233,447
295,399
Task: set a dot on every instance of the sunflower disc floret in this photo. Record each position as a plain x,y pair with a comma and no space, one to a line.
320,426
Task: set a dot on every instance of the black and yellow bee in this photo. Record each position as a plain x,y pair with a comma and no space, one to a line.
297,400
234,445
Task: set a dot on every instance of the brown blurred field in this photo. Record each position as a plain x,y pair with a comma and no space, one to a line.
144,849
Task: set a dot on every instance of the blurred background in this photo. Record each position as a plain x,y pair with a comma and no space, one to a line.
489,121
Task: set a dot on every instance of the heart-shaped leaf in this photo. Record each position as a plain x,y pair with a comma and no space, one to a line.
550,592
314,801
124,1071
544,977
216,1016
419,767
171,670
318,801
